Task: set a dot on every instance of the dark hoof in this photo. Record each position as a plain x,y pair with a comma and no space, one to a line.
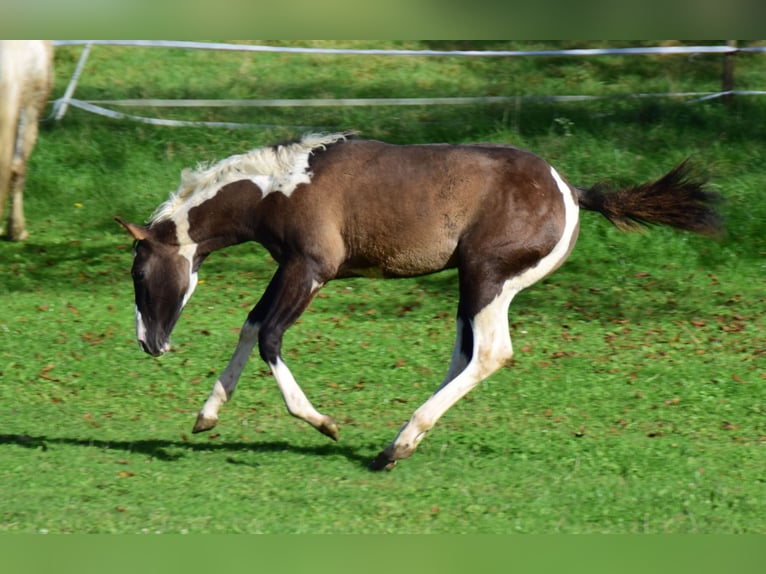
329,428
204,424
382,462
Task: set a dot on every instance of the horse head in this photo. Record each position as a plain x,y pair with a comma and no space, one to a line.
163,279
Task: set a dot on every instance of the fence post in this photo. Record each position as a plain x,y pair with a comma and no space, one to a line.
728,72
61,105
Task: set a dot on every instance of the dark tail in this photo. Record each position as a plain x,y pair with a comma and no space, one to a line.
678,199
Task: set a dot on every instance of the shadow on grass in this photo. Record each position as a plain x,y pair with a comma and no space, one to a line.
171,450
71,265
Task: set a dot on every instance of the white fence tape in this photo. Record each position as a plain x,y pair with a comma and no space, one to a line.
60,106
91,107
96,106
644,50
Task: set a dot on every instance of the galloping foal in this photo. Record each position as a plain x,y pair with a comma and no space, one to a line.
328,207
26,78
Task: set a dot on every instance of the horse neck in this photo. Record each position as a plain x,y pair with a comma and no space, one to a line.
227,218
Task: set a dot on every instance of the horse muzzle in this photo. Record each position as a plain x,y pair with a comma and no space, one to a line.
154,346
154,350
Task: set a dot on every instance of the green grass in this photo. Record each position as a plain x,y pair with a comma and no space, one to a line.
634,403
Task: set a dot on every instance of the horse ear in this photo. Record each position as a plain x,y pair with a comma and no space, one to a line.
137,231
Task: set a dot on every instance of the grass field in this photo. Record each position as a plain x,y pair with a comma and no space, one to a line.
635,401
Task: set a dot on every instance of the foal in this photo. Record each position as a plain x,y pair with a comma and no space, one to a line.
329,207
26,77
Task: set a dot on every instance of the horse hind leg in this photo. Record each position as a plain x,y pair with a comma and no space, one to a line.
486,346
462,350
26,139
9,121
17,228
34,95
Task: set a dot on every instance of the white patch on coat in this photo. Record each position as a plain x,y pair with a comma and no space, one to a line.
140,327
548,263
187,250
485,325
190,289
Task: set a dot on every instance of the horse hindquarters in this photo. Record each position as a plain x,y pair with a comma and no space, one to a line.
9,120
26,78
488,283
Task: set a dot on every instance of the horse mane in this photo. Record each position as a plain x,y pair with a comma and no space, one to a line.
275,161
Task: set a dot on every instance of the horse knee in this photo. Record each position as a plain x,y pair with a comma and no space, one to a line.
269,346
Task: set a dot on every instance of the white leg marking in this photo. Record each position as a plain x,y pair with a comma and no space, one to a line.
297,403
227,382
295,400
491,348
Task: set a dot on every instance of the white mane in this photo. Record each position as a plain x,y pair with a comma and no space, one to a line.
273,168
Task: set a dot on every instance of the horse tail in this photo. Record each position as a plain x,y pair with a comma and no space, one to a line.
678,199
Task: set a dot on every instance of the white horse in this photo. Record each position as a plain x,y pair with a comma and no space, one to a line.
26,78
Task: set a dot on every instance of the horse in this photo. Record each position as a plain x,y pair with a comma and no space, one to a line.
334,206
26,79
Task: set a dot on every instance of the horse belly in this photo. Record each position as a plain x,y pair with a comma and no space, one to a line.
406,259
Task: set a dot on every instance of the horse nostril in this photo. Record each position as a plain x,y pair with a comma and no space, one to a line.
155,351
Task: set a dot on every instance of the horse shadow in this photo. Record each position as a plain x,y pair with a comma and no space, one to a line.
173,450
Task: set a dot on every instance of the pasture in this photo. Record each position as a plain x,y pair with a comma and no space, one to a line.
635,400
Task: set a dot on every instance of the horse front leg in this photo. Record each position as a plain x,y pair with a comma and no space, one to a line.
295,287
286,297
296,402
226,383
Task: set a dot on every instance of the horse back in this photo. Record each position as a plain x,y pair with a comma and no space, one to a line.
26,78
404,210
27,65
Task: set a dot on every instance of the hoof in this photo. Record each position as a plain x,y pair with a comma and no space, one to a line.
18,235
329,428
383,462
204,424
